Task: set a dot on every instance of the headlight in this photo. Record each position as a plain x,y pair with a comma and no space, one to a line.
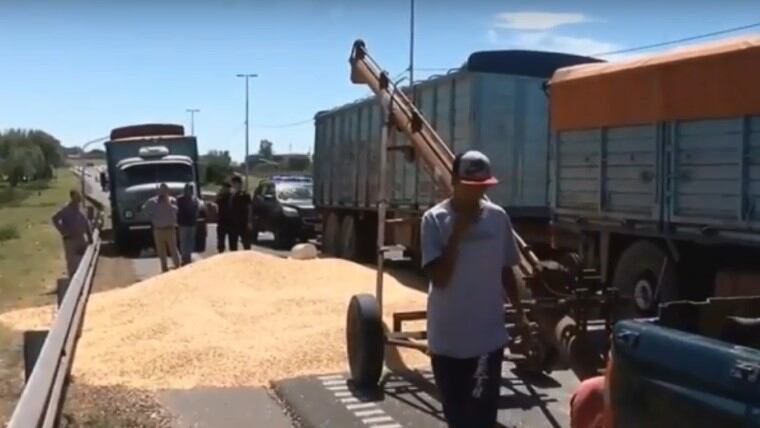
128,214
290,211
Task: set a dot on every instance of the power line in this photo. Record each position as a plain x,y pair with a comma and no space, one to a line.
685,39
286,125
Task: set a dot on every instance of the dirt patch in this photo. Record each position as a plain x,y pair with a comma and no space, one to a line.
237,319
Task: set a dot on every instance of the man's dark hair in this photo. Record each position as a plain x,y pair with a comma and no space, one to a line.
73,192
236,179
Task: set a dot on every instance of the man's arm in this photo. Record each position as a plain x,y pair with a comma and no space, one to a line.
57,219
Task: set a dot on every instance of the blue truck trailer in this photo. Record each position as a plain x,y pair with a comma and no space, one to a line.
496,102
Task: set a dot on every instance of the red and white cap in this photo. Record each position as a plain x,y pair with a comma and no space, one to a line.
473,168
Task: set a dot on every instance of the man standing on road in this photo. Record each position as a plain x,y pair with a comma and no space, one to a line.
162,211
187,219
75,231
240,215
223,216
468,253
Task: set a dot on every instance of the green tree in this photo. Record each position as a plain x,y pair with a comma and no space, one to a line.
218,166
24,162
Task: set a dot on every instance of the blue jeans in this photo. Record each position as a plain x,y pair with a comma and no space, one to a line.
186,243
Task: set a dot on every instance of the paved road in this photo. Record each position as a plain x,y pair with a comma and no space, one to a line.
409,400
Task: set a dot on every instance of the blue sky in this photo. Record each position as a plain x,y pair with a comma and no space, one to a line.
79,68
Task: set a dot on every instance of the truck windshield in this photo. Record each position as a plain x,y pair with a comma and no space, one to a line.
293,191
158,173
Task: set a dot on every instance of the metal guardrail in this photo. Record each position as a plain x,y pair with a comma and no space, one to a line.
43,396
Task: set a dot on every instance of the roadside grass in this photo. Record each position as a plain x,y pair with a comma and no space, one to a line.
30,249
31,259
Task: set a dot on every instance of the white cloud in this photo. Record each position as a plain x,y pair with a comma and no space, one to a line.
548,41
538,20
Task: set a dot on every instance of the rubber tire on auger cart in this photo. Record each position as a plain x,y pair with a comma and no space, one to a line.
365,340
639,268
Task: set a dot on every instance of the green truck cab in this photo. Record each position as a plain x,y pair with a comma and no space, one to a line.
696,365
139,158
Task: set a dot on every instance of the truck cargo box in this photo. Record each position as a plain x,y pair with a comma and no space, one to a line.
495,103
681,157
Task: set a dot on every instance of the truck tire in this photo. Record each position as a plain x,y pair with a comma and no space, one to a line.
331,235
636,275
365,340
122,239
347,246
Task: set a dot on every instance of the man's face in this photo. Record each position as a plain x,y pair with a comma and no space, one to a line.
163,191
76,198
236,186
469,193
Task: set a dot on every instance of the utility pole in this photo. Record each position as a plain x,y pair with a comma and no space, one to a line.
247,130
192,112
411,51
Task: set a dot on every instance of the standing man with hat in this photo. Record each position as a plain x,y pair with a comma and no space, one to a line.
469,254
75,231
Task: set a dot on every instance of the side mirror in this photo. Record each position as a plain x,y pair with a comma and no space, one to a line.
268,196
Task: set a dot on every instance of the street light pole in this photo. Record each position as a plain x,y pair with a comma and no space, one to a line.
192,112
247,128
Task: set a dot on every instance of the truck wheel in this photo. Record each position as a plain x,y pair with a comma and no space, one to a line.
365,341
122,240
347,245
636,278
330,237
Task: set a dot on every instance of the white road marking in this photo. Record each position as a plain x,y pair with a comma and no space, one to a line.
360,406
337,387
377,419
368,412
330,377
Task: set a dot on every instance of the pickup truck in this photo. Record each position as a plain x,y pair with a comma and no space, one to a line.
696,365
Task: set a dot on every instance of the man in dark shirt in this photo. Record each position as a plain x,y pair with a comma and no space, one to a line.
240,215
223,216
188,207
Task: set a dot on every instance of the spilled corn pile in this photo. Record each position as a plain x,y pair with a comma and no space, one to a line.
240,318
